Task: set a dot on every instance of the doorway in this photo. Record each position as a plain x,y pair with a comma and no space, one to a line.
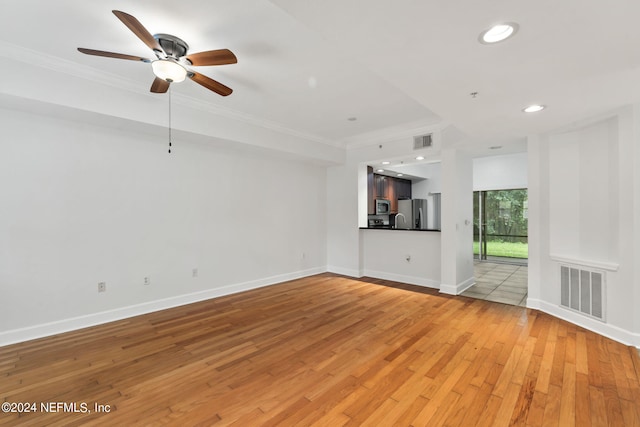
500,226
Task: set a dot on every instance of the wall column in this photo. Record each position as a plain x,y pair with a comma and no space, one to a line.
457,222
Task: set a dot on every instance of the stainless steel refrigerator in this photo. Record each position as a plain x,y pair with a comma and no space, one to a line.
412,213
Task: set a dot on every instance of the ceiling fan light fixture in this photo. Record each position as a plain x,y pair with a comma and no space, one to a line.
169,70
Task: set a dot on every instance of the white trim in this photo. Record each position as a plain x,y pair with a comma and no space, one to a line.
603,265
412,280
459,288
615,333
344,271
80,322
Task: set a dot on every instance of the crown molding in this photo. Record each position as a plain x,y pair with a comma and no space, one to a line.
43,60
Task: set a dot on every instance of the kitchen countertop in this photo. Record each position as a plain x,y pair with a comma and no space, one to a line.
396,229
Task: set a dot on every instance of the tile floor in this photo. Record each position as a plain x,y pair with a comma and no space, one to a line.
503,283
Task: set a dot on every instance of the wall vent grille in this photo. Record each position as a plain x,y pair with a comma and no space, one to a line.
422,141
582,291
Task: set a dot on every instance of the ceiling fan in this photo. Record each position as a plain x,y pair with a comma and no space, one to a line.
172,64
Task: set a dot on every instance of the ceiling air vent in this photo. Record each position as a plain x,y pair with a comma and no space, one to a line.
422,141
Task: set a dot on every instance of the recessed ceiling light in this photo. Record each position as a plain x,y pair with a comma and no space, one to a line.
400,174
385,163
380,170
352,119
498,33
420,158
534,108
495,147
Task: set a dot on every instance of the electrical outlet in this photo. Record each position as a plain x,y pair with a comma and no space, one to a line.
194,272
147,281
102,286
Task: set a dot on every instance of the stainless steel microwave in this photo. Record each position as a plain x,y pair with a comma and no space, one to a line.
383,207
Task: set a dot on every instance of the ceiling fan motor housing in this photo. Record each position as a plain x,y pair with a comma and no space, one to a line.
173,46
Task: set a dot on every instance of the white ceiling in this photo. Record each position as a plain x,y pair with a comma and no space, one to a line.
310,65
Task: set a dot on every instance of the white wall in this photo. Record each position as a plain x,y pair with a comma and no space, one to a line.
343,244
83,203
385,254
583,198
457,222
432,184
506,172
583,168
503,172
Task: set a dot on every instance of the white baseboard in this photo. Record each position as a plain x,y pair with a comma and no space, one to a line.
74,323
344,271
459,288
607,330
412,280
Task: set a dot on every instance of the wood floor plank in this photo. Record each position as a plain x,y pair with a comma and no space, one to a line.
583,401
522,406
478,405
611,395
582,367
460,410
328,350
568,399
488,415
557,368
535,415
546,364
552,406
597,408
630,413
508,406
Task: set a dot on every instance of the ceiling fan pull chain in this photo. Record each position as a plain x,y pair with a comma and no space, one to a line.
169,119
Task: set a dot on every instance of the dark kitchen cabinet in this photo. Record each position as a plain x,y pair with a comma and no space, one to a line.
371,204
391,192
403,189
386,187
398,189
380,186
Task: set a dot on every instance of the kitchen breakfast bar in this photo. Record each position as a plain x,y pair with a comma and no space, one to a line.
403,255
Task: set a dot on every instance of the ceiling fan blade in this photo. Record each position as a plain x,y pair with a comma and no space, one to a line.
159,85
138,29
210,84
112,54
213,57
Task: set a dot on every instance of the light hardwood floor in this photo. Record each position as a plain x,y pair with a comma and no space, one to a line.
329,350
